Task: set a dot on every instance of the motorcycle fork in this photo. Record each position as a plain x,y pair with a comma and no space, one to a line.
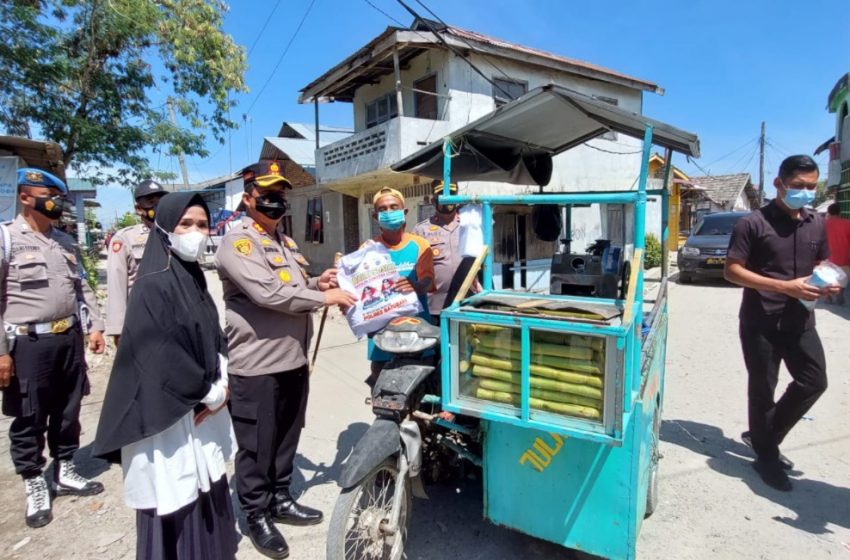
391,528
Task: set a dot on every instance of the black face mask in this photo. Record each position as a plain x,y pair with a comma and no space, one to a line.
50,206
446,208
273,205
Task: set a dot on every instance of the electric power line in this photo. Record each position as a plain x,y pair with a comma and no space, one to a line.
439,19
265,25
736,150
282,55
391,18
451,48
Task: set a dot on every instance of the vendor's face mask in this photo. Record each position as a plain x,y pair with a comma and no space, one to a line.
798,198
391,220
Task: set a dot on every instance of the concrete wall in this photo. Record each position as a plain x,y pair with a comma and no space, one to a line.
430,62
320,255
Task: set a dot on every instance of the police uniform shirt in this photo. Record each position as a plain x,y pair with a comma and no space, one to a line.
268,300
445,247
44,279
125,253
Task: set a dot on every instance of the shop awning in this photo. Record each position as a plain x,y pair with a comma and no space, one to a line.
516,142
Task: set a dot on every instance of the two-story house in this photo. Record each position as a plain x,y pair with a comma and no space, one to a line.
410,87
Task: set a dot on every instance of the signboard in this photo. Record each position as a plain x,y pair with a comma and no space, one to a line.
8,187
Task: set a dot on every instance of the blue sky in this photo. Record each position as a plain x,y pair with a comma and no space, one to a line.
725,66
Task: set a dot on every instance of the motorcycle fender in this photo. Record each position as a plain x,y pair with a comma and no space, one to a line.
380,441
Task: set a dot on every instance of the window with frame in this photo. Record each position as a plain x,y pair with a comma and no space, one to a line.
505,91
381,110
314,229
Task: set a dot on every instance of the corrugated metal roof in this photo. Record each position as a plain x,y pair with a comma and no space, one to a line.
308,132
725,189
302,151
465,34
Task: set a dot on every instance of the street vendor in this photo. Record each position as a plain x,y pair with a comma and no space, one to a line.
772,254
442,231
412,256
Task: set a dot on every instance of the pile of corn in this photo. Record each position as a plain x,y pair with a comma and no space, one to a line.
566,370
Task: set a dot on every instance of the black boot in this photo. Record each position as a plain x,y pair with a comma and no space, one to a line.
39,510
284,509
265,536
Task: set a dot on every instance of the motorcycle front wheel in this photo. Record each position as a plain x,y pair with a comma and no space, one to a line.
358,524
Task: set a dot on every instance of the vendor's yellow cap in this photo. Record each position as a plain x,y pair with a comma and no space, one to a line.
438,188
387,191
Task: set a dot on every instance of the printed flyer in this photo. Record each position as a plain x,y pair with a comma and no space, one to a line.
370,275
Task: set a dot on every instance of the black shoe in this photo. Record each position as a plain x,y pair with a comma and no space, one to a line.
787,463
39,509
773,474
265,536
285,509
68,482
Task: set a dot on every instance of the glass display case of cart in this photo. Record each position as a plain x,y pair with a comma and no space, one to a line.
574,379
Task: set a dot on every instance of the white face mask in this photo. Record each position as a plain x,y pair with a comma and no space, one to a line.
188,246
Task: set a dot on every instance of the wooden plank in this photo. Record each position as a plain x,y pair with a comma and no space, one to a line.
637,261
470,276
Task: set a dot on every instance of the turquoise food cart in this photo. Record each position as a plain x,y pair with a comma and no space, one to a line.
568,388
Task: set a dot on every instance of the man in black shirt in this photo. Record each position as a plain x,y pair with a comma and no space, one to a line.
772,253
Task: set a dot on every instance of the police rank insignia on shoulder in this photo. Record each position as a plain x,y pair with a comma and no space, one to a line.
259,228
116,246
290,243
434,228
284,275
244,247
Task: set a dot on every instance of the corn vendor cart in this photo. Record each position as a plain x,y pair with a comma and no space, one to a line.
568,388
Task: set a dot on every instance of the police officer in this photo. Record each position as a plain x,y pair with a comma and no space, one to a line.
268,300
42,359
442,231
125,253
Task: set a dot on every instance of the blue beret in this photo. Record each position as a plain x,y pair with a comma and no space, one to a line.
38,178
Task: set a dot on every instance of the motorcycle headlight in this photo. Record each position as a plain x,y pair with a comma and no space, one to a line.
690,251
403,342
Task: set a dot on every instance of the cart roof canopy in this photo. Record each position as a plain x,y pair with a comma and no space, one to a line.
516,142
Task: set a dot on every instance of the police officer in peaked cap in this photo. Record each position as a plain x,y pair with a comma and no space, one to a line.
42,358
269,299
125,253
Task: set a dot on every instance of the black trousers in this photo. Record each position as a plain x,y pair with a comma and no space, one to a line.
764,349
45,396
268,414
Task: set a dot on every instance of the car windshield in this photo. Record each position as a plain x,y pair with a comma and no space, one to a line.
718,225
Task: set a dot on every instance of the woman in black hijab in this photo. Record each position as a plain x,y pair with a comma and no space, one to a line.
164,412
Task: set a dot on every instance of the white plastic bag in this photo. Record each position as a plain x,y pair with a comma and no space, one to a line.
825,274
471,235
370,274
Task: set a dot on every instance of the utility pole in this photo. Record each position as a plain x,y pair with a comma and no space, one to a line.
180,157
761,165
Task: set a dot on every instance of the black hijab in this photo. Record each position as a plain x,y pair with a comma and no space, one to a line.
167,356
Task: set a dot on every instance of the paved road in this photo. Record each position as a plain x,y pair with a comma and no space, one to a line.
713,505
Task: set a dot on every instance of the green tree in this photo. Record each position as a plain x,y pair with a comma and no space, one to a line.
95,75
652,257
127,220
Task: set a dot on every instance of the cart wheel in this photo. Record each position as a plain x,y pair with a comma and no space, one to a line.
356,530
652,487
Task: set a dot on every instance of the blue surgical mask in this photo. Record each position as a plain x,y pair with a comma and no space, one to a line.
797,198
391,220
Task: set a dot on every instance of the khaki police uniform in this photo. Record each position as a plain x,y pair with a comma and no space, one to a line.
268,303
43,283
445,248
122,263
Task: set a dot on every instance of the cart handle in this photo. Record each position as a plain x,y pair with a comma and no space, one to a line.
637,261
